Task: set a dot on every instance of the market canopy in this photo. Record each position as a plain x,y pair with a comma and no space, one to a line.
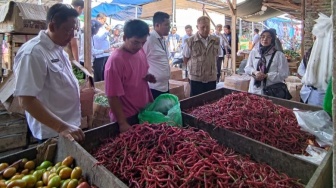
132,2
120,9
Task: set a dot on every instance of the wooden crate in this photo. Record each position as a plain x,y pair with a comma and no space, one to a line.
98,175
63,148
13,43
16,42
13,131
311,174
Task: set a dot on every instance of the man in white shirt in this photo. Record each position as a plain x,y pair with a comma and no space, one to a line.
45,85
256,38
157,53
220,57
101,42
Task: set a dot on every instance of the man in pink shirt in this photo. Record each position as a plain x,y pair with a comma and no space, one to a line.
126,75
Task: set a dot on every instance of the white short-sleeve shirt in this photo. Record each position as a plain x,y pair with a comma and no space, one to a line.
42,69
157,53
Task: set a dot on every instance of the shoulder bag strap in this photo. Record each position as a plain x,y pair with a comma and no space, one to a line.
268,66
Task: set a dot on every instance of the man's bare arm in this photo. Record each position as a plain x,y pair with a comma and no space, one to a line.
117,109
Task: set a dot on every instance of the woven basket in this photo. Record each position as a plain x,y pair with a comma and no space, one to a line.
100,115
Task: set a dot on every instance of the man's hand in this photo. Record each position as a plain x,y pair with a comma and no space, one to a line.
72,132
150,78
108,50
228,55
107,27
123,127
259,76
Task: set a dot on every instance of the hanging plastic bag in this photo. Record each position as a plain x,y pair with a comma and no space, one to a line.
317,123
165,109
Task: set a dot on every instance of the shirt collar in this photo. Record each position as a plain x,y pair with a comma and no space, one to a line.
156,34
46,41
199,37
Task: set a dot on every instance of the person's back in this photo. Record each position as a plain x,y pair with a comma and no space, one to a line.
101,42
256,38
73,47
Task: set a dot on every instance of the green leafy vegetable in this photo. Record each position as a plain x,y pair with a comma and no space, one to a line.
101,100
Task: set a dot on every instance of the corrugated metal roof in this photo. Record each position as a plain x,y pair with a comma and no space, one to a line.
249,10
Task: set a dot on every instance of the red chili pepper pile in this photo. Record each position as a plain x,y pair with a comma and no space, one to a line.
257,118
165,156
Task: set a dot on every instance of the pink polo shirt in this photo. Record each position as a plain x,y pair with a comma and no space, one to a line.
124,77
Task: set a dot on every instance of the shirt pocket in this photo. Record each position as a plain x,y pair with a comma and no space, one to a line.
196,51
56,74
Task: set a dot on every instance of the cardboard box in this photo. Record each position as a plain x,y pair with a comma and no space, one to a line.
237,82
177,90
185,84
175,73
294,90
6,96
84,123
100,86
18,17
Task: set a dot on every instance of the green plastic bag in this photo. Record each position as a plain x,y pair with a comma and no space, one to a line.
164,109
327,103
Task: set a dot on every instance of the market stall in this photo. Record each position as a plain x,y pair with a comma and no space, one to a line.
201,153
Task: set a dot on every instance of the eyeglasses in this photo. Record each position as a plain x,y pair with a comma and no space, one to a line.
266,37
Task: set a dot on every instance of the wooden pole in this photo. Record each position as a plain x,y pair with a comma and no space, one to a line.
231,7
174,13
303,15
233,34
87,35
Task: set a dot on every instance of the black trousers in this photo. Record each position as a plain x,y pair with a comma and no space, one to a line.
197,88
99,68
156,93
219,67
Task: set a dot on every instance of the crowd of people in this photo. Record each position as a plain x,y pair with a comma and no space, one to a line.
136,67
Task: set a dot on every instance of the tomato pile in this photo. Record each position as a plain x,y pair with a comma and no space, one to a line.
24,173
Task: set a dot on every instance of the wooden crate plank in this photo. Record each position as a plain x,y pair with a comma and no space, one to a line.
12,141
215,95
323,175
30,154
19,128
97,174
21,38
260,152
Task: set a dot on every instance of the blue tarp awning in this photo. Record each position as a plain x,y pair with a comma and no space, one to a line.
120,9
132,2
